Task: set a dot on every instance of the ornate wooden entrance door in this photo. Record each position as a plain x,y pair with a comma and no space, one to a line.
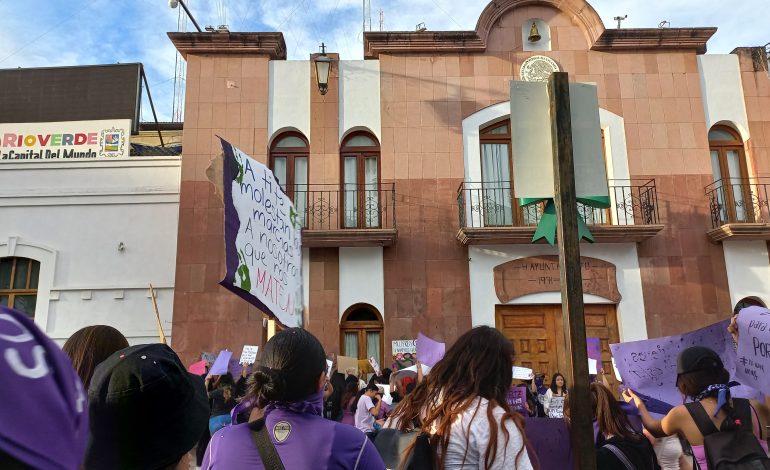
537,334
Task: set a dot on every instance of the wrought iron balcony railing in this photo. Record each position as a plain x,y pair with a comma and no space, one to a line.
344,207
739,200
492,204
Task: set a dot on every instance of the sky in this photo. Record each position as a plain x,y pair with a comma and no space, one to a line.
44,33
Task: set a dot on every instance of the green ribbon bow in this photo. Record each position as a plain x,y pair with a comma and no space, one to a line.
547,226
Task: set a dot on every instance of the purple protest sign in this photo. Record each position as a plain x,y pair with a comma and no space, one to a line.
649,366
429,351
263,248
753,359
517,399
594,346
220,365
549,441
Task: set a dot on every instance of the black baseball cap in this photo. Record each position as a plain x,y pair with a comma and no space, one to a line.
146,410
697,358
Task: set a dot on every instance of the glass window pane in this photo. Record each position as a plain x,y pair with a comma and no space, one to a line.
351,193
35,275
25,303
20,277
498,130
290,142
6,264
4,300
715,165
373,345
372,195
720,134
351,344
300,188
497,203
734,175
279,170
360,141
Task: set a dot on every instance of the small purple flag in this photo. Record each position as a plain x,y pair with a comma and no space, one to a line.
220,365
429,351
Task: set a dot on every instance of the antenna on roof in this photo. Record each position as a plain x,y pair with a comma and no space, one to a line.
664,24
619,19
420,27
382,18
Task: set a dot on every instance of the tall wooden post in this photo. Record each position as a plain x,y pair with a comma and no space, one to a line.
569,272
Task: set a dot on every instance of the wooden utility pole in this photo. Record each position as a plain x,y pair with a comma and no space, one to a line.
161,334
581,429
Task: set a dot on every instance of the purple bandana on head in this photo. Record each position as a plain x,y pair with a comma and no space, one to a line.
42,396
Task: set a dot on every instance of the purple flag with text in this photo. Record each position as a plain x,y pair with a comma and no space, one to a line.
263,250
753,361
429,351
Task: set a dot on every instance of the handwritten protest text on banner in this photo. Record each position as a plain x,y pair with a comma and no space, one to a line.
262,239
753,362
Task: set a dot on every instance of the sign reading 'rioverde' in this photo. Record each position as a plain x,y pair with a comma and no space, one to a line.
64,140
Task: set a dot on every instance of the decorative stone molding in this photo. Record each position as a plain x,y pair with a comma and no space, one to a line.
270,44
636,39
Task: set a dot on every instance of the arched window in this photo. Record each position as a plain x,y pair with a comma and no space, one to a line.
18,284
728,165
289,155
360,181
497,175
361,332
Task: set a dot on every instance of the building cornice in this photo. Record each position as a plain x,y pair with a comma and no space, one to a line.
638,39
270,44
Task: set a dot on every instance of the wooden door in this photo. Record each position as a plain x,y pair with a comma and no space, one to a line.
534,332
538,335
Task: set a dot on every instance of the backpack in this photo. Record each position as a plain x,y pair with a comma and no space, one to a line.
736,449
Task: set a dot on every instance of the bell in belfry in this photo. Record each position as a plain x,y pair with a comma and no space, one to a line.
534,34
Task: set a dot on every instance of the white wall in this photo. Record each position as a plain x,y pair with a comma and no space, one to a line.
722,89
362,278
71,216
360,96
288,105
748,270
630,310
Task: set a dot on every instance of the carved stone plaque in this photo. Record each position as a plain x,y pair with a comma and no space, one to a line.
537,68
541,274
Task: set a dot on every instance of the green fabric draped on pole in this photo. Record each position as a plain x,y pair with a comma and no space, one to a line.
546,228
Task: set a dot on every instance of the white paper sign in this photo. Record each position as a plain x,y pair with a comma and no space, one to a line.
404,346
592,366
425,369
65,140
329,368
615,369
522,373
375,365
263,247
249,354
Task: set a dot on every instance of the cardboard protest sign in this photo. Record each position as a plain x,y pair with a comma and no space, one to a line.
220,365
236,368
208,357
648,367
517,399
404,352
263,251
428,350
249,354
753,357
197,368
522,373
345,362
375,365
556,407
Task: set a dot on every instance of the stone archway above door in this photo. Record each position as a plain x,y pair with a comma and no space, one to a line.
536,274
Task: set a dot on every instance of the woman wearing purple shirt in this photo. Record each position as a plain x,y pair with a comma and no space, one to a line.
288,388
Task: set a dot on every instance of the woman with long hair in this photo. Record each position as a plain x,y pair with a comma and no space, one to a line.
288,388
348,404
90,346
702,377
553,402
461,404
618,442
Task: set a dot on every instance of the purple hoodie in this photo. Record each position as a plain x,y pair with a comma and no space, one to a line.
302,437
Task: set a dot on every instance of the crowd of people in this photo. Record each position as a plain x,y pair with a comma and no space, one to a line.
98,403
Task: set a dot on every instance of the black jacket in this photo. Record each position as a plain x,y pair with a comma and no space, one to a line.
640,453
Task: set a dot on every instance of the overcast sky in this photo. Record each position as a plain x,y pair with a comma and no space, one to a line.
38,33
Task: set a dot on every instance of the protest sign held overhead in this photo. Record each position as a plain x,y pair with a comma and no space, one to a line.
249,354
221,364
429,351
197,368
262,239
522,373
404,352
375,365
753,361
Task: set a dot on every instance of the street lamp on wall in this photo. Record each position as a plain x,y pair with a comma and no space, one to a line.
323,65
